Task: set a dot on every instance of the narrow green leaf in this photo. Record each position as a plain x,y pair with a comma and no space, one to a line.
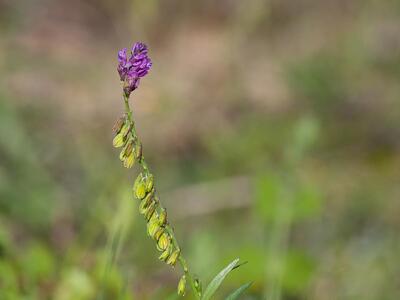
235,295
239,265
216,282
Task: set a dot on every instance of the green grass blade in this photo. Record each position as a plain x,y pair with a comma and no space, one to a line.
235,295
239,265
216,282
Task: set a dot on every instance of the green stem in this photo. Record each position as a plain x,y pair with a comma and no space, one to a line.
168,227
127,108
183,262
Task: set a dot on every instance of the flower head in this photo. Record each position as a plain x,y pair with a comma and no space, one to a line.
131,69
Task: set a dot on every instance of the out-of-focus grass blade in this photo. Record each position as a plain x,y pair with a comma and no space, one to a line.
216,282
235,295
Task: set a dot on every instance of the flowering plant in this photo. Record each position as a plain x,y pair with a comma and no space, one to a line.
131,69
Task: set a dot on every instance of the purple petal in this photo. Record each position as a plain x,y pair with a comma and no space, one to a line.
143,72
138,48
122,55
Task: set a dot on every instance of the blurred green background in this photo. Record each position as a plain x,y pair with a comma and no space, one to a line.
272,127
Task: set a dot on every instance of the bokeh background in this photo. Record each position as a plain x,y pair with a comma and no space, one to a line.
272,127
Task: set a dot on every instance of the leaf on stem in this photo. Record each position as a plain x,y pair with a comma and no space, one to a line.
235,295
216,282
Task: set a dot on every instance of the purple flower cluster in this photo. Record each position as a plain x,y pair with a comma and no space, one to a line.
133,68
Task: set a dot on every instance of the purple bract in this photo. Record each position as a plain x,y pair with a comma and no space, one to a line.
133,68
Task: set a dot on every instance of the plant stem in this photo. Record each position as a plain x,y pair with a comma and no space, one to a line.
183,262
168,227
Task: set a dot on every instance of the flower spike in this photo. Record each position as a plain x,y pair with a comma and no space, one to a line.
131,68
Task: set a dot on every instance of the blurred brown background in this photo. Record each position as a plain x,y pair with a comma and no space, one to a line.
272,128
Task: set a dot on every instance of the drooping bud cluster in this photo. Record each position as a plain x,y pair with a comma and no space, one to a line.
125,139
156,218
143,189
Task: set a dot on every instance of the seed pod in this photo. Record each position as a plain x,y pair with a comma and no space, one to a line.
140,191
129,160
153,226
138,150
146,202
129,147
125,129
150,210
162,220
154,217
118,125
173,258
182,286
118,140
158,234
128,133
163,242
149,182
122,155
198,286
164,256
143,207
139,187
125,151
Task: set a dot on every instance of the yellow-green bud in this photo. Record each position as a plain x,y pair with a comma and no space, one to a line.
128,130
125,129
129,160
142,207
150,210
140,191
154,217
164,256
173,258
118,140
162,220
129,147
163,242
138,179
138,150
198,286
149,182
153,226
126,150
146,202
182,286
118,125
139,187
158,233
122,155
